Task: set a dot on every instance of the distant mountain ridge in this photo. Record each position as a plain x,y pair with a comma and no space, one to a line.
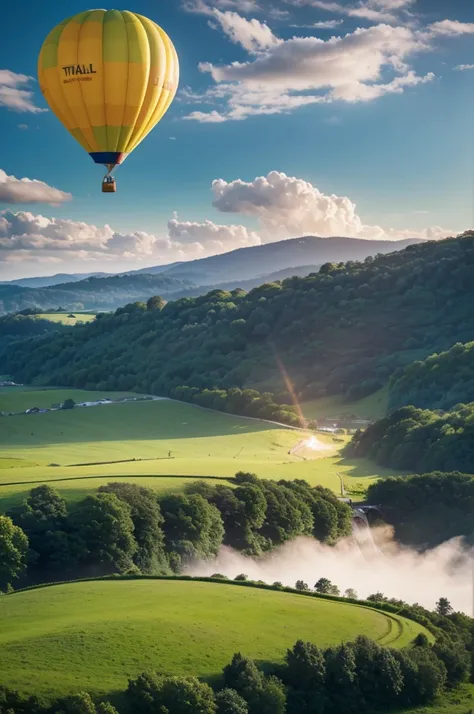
246,263
93,293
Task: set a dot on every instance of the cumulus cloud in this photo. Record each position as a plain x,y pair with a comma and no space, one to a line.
282,207
25,190
253,35
451,28
288,206
359,66
211,236
15,92
27,237
372,10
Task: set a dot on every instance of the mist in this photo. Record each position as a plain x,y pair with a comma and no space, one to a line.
356,562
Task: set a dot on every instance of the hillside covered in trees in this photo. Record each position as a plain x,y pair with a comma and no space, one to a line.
421,440
343,330
427,509
18,326
93,293
439,382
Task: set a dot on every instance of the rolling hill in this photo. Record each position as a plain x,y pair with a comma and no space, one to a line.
159,444
88,636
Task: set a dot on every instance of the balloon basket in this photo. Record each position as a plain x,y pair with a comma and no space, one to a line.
109,185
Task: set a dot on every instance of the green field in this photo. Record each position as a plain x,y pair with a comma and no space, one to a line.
64,319
18,399
94,635
372,407
53,447
459,701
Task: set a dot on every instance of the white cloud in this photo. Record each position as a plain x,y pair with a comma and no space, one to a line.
210,236
24,127
25,190
207,7
27,238
15,93
281,205
463,67
372,10
321,25
308,70
288,206
253,35
451,28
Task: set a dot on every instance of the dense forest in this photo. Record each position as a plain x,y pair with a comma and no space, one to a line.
420,440
17,326
343,330
427,509
126,528
439,382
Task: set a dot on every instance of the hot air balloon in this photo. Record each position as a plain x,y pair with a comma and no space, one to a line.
109,76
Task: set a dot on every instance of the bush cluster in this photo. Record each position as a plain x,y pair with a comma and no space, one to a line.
127,528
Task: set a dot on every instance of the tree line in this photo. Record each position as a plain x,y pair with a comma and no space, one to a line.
343,330
347,678
439,382
420,440
427,509
125,528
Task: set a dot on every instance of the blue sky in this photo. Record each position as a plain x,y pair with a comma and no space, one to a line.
339,118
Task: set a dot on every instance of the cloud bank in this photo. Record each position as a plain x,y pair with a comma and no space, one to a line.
25,190
282,207
288,206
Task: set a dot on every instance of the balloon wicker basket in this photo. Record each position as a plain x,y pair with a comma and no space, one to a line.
109,185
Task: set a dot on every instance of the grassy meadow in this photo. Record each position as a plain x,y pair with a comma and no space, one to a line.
64,319
86,636
156,444
372,407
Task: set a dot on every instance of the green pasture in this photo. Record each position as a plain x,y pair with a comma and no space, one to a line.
459,701
64,319
155,444
93,636
19,399
372,407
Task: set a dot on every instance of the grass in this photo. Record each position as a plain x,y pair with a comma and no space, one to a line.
18,399
64,319
202,444
459,701
88,636
372,407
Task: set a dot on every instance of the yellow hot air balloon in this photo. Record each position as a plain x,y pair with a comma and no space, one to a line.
109,76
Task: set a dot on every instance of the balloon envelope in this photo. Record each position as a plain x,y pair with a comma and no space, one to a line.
109,76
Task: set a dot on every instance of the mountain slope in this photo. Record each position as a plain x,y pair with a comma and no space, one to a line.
342,331
48,280
244,263
439,382
94,293
258,261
